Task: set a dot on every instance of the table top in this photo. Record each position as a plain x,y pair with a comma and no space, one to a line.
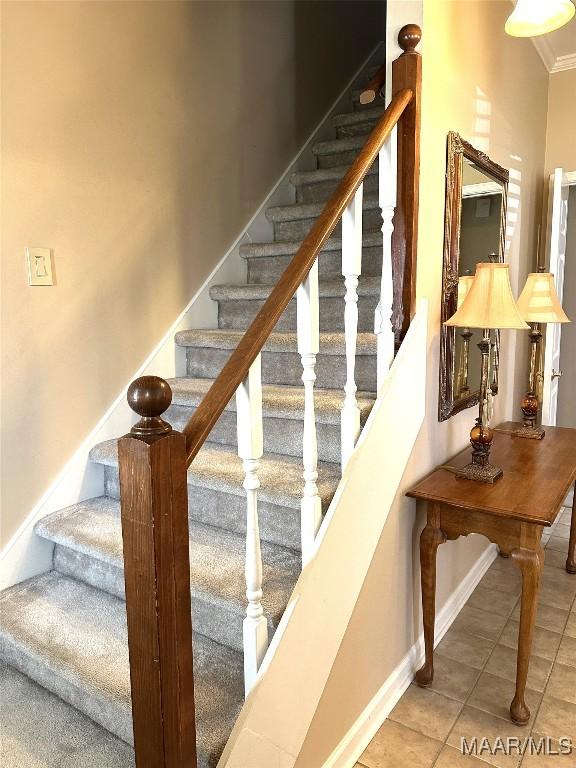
537,477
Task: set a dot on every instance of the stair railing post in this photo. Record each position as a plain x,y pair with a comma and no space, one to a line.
407,73
250,449
308,331
387,184
351,270
154,510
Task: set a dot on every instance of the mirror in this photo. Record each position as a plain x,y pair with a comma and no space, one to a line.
474,230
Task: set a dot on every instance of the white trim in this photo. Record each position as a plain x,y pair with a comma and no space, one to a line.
25,554
552,62
482,189
349,750
563,63
571,176
545,49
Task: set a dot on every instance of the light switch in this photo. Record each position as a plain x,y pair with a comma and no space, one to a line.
39,266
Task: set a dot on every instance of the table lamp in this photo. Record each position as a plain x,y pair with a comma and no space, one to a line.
538,303
488,304
462,387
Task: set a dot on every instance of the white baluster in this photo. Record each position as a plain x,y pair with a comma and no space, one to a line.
387,181
351,269
250,448
308,325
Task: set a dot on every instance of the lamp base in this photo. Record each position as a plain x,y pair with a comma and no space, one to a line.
486,473
532,433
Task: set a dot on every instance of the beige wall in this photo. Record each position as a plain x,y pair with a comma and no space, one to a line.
493,90
561,131
138,139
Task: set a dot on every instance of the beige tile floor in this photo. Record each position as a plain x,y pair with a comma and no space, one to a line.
475,670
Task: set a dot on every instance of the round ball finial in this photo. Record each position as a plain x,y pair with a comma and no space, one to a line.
409,37
149,397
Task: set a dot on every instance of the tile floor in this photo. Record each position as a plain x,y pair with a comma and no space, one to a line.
475,670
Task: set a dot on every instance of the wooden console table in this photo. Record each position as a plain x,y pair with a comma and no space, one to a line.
512,513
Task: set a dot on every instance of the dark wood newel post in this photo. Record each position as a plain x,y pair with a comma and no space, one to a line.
154,502
407,73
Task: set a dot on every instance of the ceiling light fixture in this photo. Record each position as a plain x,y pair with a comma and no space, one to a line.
538,17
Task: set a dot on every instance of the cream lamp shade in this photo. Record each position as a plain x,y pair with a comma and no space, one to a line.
531,18
538,302
464,284
489,302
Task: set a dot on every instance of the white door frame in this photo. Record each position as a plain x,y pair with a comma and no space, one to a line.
556,266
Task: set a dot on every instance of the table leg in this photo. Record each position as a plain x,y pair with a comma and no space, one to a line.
430,540
530,563
571,560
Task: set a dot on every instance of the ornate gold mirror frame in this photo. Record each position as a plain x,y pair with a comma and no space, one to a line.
457,151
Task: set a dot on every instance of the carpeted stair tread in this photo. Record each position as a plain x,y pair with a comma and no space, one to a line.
219,468
370,239
217,558
367,286
330,343
71,639
336,146
278,401
39,730
353,118
298,211
325,174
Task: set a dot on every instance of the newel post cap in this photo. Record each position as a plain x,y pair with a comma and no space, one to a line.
150,397
409,37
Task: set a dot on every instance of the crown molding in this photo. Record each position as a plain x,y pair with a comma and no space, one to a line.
563,63
542,45
545,50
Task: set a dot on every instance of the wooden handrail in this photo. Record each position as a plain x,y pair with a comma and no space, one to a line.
250,346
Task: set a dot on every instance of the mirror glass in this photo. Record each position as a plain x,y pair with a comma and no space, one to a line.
480,231
475,227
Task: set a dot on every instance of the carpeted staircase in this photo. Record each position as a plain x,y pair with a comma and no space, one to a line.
65,630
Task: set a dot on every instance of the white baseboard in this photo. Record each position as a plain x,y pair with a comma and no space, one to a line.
348,751
25,554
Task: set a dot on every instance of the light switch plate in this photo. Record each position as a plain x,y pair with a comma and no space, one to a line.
39,262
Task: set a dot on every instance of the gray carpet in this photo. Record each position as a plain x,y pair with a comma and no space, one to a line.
63,646
38,730
71,639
